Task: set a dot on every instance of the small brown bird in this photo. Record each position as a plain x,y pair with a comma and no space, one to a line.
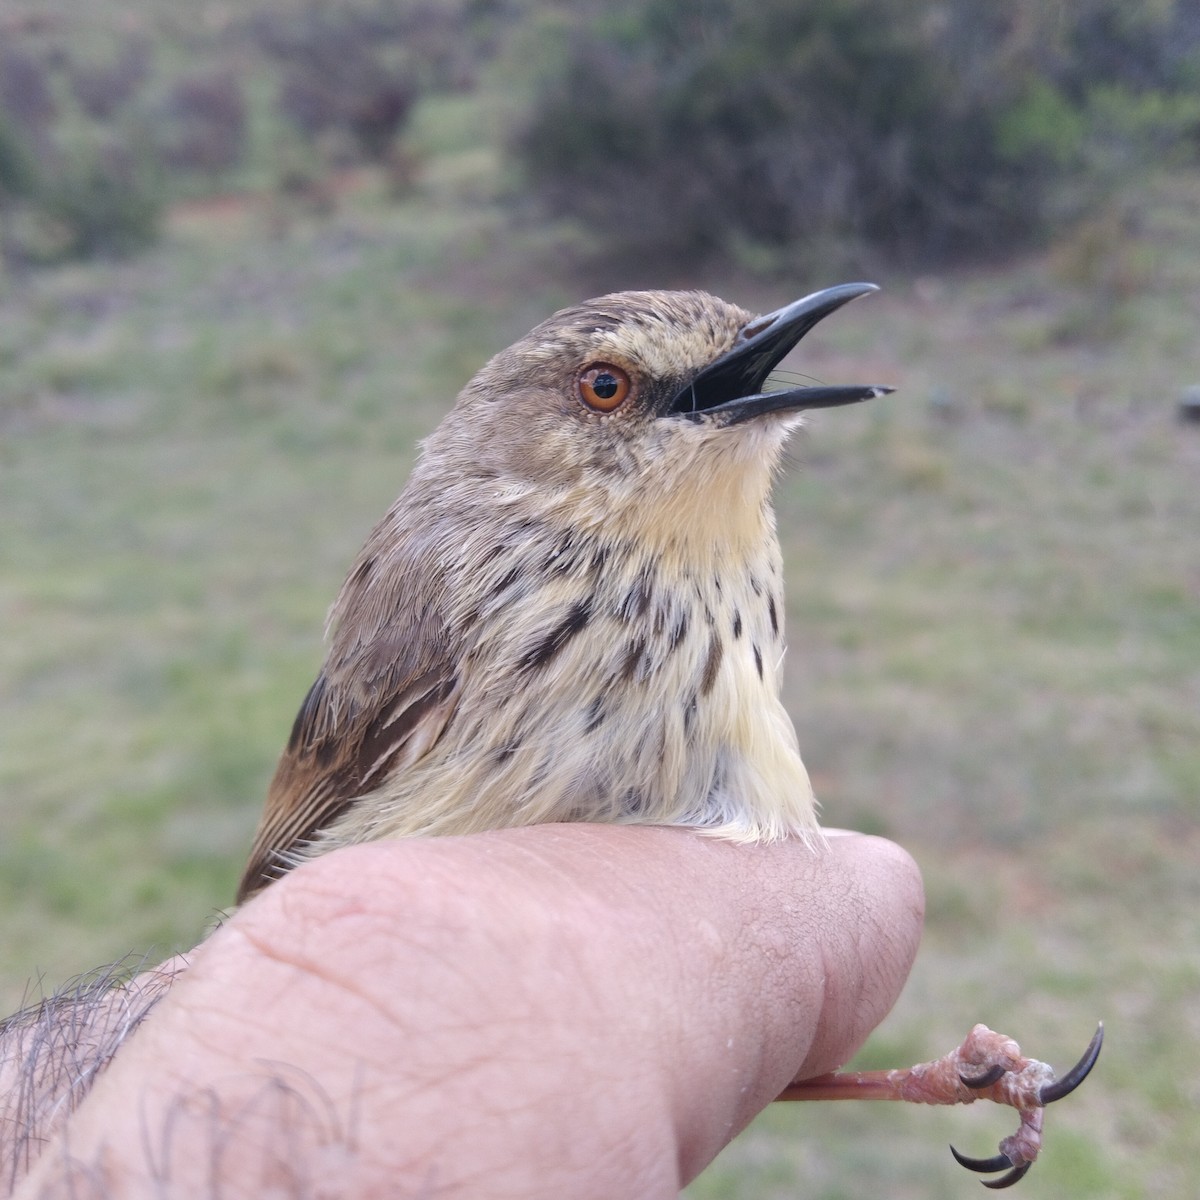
574,612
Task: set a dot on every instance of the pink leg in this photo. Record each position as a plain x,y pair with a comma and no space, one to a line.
987,1066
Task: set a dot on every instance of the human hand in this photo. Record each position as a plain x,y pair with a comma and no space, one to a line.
565,1010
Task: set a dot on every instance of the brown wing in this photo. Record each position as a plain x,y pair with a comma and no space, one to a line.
372,711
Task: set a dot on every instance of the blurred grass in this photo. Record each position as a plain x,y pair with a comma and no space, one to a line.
994,614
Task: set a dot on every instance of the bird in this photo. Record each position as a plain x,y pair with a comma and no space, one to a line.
574,611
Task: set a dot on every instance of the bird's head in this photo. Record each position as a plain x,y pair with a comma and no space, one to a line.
638,403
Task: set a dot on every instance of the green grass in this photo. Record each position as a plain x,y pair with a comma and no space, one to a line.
994,589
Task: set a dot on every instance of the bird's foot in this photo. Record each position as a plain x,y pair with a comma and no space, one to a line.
992,1066
987,1066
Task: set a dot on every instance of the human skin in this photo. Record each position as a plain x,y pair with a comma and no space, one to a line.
557,1011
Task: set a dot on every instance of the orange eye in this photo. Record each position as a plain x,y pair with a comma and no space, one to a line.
604,387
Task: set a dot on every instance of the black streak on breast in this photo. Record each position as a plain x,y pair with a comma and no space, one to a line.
543,651
712,664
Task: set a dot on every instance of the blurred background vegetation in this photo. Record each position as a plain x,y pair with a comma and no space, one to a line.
248,255
770,135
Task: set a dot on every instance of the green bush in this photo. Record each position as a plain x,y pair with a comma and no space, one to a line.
18,170
99,201
202,126
928,130
72,184
102,88
343,70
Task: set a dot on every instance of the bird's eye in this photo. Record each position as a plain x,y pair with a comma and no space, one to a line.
604,387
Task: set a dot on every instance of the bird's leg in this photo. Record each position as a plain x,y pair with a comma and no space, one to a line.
987,1066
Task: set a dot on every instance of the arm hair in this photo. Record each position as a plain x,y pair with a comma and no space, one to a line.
53,1049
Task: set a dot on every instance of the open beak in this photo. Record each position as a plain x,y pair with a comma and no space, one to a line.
729,389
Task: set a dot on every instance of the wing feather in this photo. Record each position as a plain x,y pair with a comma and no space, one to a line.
374,710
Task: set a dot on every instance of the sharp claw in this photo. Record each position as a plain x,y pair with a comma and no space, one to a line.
1014,1176
989,1077
1076,1075
985,1166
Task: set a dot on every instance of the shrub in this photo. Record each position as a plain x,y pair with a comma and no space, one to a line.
342,72
71,182
204,122
100,200
18,167
102,88
922,129
26,97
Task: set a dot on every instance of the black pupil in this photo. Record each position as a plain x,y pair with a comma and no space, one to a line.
605,385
